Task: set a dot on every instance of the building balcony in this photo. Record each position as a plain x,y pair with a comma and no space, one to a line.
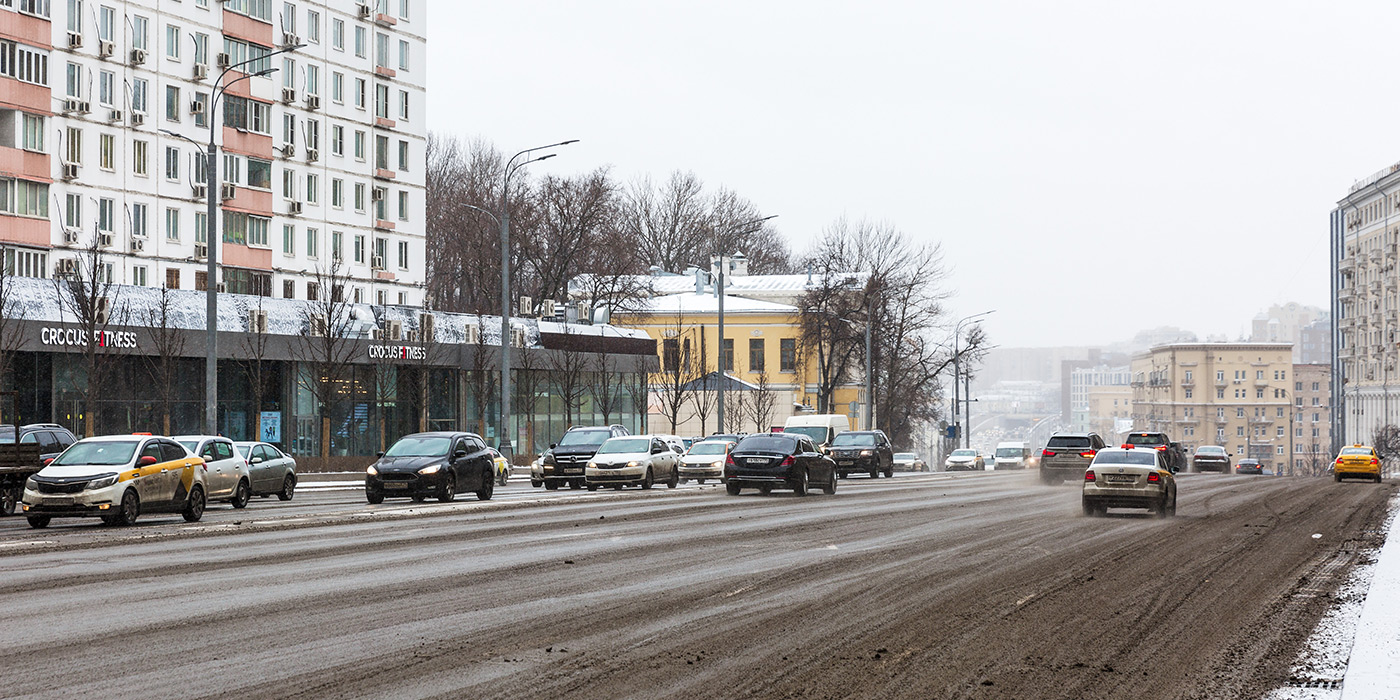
1374,255
1188,382
1222,383
1346,293
1347,264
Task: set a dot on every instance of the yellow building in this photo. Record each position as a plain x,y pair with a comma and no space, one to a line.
768,377
1236,395
1110,411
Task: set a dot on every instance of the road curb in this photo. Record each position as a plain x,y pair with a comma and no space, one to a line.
1373,671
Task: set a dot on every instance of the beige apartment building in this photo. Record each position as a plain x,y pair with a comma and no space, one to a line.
1110,411
1237,395
1312,419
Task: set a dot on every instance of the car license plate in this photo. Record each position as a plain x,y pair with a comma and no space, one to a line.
846,462
755,460
58,501
395,485
1120,478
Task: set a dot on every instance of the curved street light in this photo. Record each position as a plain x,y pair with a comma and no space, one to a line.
957,373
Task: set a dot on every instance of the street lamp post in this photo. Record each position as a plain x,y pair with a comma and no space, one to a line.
211,227
503,221
722,266
957,372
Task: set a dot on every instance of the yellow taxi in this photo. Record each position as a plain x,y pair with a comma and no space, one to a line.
1357,462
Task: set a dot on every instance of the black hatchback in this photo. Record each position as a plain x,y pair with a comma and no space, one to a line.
767,461
440,464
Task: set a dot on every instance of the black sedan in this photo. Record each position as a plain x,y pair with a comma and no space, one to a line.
1249,466
441,464
768,461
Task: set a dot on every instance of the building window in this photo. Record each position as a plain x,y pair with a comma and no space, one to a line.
106,151
289,129
787,352
313,79
359,196
24,64
246,229
336,241
337,193
403,55
289,240
73,211
403,205
403,156
172,42
381,100
106,87
106,21
138,275
312,244
359,249
756,355
106,214
258,9
337,36
403,255
172,163
201,48
313,188
172,278
1188,393
74,151
337,140
24,198
289,184
313,26
138,220
403,105
361,42
139,26
381,50
289,289
201,118
381,152
74,83
337,87
260,173
201,227
172,224
360,93
359,145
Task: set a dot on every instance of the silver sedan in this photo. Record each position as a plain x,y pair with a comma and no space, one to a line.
272,471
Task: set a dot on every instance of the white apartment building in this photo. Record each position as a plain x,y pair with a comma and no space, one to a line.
322,160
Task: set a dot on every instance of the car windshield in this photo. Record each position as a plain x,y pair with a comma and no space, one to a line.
816,432
768,443
1140,457
1356,451
106,453
592,438
1216,451
1145,440
964,453
845,439
905,456
1068,442
714,447
419,447
1008,452
625,445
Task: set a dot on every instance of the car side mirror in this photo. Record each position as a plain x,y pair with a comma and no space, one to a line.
459,454
48,461
146,461
256,460
380,455
656,450
552,445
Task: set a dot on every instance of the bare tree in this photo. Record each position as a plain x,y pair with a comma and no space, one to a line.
606,383
169,344
530,375
737,407
570,372
762,403
326,346
482,378
637,389
1386,440
86,292
255,364
673,383
11,339
386,394
703,396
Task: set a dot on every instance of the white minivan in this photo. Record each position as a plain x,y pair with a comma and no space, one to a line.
820,427
1012,455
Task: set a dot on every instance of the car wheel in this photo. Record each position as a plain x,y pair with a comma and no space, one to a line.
536,484
1171,508
241,494
1090,510
575,484
38,521
648,480
289,487
449,489
8,499
829,488
875,473
675,479
129,509
551,485
1338,477
419,497
799,485
503,477
889,472
840,475
194,507
487,490
732,489
700,480
592,487
374,497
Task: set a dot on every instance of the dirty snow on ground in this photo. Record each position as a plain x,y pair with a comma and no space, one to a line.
1338,639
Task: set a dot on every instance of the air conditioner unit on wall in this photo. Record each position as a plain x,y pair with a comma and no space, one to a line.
201,251
115,115
546,308
201,71
138,245
138,56
67,267
363,11
228,190
473,334
222,60
526,306
196,107
102,311
517,337
294,208
105,48
313,101
289,95
75,40
138,118
70,236
313,155
377,262
200,192
70,171
288,150
257,320
395,330
104,240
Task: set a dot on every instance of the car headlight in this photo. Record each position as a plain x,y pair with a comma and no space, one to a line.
592,465
371,471
102,482
547,459
634,463
31,484
866,453
430,470
717,464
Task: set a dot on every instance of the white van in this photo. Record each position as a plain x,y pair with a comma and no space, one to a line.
1012,455
820,427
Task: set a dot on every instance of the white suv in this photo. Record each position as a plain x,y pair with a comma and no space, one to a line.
639,460
117,477
225,471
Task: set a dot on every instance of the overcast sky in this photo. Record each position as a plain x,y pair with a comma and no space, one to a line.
1089,168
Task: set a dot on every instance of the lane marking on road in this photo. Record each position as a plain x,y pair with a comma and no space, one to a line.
1027,599
737,591
31,543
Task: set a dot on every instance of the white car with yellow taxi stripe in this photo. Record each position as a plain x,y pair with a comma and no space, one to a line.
117,477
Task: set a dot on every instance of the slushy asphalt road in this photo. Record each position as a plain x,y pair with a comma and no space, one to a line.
976,585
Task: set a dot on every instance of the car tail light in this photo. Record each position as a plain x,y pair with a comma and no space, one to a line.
1339,460
1153,478
1089,475
1161,448
1374,461
788,461
1046,453
1088,455
729,461
1127,446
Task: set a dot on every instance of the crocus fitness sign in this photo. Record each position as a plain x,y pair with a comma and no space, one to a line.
78,337
397,353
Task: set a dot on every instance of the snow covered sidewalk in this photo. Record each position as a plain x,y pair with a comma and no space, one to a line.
1373,672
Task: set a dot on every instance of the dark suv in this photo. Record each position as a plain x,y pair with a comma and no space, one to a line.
862,451
52,438
1176,457
1067,455
564,462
